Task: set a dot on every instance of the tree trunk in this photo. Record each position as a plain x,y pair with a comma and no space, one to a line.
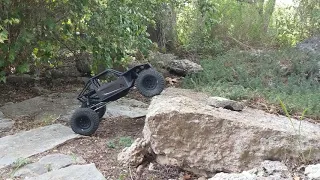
164,34
269,9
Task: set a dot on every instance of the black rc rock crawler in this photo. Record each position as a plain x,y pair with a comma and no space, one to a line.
97,93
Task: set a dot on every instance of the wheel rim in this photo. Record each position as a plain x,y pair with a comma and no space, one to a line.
149,82
83,123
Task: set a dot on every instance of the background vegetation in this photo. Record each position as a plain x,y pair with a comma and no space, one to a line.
225,33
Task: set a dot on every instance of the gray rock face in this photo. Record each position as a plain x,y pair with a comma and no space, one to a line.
313,172
272,170
126,107
234,176
310,45
31,170
44,108
74,172
172,63
28,143
268,170
186,132
5,125
225,103
184,67
162,60
48,163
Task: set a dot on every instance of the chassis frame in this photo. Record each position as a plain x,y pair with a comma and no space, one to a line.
96,95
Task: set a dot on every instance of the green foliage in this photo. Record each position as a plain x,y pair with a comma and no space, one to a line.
111,144
32,32
116,30
20,162
195,22
308,13
288,74
225,24
295,23
298,131
122,176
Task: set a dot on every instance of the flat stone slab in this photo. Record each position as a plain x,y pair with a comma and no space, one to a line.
126,107
60,106
29,143
50,107
313,172
75,172
46,164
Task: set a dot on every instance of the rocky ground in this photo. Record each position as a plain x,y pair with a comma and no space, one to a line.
35,140
21,105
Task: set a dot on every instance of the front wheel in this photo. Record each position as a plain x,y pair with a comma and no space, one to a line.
84,121
150,83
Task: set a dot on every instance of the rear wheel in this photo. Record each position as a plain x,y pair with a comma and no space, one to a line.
150,83
84,121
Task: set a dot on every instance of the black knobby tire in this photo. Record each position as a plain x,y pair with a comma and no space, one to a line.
100,111
84,121
150,83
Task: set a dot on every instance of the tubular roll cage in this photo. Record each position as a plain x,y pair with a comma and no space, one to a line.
89,94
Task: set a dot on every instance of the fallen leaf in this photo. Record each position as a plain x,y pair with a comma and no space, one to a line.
171,81
296,178
186,177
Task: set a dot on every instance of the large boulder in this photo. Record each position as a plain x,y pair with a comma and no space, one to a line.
310,45
174,65
184,67
183,130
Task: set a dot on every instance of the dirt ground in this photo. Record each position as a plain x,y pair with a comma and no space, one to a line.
103,147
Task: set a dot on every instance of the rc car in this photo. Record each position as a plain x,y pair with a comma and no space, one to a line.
100,90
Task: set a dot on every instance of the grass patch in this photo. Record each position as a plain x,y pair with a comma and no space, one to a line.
120,143
125,141
18,164
289,75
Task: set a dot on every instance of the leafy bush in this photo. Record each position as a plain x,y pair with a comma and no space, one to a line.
288,74
225,24
32,32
